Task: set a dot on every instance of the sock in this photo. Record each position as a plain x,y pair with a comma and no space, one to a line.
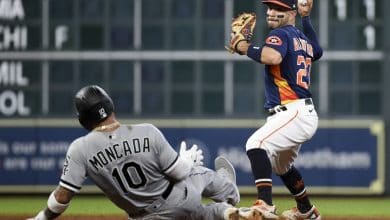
262,171
294,183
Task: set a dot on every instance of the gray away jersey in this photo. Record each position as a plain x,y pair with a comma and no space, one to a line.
127,164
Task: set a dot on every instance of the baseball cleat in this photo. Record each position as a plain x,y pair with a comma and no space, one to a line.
295,214
265,210
224,168
243,213
249,214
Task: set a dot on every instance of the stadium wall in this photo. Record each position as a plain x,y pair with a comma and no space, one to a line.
345,157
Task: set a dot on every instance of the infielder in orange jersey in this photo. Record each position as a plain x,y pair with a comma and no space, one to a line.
139,171
288,54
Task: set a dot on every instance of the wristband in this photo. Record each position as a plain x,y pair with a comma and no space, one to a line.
254,53
55,206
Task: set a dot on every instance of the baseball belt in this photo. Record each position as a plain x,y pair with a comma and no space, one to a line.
142,212
281,108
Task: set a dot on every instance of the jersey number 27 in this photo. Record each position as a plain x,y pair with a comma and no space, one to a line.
304,72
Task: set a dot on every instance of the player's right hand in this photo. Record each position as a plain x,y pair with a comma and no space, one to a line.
193,155
304,7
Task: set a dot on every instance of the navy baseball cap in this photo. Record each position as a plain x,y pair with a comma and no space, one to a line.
285,4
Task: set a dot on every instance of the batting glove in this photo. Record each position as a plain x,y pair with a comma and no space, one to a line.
40,216
193,155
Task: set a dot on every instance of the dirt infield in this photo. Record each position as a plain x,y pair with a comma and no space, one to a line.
119,217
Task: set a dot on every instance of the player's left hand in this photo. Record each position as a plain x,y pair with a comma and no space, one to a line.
194,155
40,216
242,28
304,7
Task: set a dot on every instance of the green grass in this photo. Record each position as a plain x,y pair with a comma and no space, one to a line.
80,205
99,205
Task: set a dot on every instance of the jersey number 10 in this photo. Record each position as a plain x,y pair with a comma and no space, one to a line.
135,170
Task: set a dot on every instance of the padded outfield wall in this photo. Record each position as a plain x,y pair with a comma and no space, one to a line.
345,157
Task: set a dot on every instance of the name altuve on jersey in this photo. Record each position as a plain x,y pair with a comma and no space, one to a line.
302,44
119,150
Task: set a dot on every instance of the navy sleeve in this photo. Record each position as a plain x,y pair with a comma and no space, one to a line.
308,30
278,40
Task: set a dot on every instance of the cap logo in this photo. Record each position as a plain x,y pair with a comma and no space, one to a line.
102,113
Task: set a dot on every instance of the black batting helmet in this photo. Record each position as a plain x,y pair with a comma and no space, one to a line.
93,105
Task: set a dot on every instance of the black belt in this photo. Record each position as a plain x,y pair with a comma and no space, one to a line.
308,101
281,108
164,195
168,190
276,109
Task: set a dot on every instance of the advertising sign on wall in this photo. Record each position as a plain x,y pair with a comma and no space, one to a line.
338,159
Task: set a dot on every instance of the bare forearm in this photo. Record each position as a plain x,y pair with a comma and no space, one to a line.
243,47
263,54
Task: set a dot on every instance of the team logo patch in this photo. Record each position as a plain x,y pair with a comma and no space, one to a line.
274,40
66,164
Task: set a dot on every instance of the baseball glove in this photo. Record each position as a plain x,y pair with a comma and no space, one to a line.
242,30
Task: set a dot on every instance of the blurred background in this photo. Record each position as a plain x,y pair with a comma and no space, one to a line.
164,62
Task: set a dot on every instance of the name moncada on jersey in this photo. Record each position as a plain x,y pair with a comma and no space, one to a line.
117,151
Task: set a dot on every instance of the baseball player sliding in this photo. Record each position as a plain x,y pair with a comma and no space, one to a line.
288,54
139,171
